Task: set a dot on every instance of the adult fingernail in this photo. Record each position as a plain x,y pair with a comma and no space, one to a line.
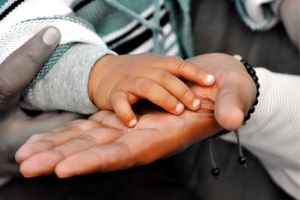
31,176
132,123
179,108
209,78
196,103
51,36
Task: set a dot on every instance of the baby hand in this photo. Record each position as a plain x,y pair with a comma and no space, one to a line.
117,82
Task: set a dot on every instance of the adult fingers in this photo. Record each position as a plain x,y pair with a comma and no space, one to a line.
22,65
109,119
45,162
49,140
126,152
41,123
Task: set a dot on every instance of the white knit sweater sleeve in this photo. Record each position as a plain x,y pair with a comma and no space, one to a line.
31,16
273,131
64,87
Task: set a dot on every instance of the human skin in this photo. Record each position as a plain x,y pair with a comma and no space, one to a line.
16,126
104,143
117,82
289,13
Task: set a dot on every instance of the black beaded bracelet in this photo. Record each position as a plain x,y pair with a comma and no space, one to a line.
241,159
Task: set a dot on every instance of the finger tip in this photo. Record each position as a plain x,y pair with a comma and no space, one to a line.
210,79
196,104
40,164
230,119
61,172
30,149
68,167
132,123
179,108
27,170
51,36
22,154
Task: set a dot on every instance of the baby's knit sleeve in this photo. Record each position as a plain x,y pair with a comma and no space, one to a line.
65,86
258,15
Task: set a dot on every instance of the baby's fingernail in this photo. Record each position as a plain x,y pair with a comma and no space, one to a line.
196,103
209,78
51,36
179,108
132,123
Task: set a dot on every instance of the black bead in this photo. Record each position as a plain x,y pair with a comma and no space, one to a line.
247,117
255,78
255,102
252,109
257,85
244,61
242,160
248,67
257,94
222,132
215,172
251,72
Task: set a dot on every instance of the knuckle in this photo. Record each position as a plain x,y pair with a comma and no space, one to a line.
146,86
179,63
124,114
186,93
199,72
166,78
6,92
89,138
116,99
79,126
30,58
167,99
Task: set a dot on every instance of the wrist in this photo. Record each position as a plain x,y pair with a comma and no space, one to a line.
98,71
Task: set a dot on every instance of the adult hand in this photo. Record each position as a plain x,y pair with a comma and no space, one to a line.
104,143
15,73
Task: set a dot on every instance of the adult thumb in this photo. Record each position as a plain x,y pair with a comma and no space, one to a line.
19,68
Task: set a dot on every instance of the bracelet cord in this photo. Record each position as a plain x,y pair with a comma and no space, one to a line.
241,159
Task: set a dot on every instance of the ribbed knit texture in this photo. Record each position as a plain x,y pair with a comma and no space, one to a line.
273,131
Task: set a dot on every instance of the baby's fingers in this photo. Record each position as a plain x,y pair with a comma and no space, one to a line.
176,87
148,89
120,104
187,70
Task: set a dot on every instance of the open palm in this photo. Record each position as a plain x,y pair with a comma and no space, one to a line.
104,143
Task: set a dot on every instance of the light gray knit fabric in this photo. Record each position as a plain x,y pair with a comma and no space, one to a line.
66,88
